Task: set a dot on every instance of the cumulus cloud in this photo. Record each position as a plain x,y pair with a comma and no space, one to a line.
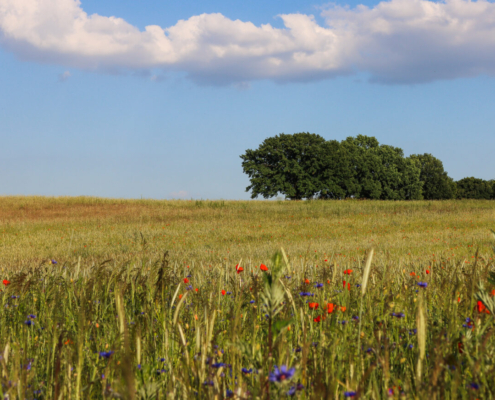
180,194
397,41
64,76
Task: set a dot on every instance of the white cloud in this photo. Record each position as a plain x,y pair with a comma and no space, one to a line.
180,194
397,41
64,76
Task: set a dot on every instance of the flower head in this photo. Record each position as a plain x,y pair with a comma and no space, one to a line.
349,394
6,282
223,292
105,354
319,285
263,267
330,308
313,306
282,374
186,280
422,284
348,272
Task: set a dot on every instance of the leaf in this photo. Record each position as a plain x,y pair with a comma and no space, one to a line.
281,324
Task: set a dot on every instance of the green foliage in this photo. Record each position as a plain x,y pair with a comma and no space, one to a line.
437,185
474,188
304,165
287,164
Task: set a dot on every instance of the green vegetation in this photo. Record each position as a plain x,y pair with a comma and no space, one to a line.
306,166
158,299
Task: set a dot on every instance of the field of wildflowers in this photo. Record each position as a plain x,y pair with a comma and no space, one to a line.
199,299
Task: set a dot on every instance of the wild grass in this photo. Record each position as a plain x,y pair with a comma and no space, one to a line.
144,300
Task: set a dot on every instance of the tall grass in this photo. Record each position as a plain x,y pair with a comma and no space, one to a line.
103,322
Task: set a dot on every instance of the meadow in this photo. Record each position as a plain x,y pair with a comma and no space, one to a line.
145,299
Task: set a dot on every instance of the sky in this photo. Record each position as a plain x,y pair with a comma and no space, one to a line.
158,99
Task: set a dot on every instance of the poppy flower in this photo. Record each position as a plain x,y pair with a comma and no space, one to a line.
180,296
239,269
344,284
482,308
460,346
493,292
223,292
317,319
343,308
427,271
330,307
313,306
412,274
328,281
6,282
349,287
306,281
348,272
263,267
196,289
186,280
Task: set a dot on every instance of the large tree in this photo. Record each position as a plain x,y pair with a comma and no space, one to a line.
474,188
381,171
291,165
437,185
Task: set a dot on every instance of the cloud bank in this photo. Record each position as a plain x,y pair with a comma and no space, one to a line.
397,41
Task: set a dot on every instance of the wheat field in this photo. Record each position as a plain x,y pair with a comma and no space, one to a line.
156,299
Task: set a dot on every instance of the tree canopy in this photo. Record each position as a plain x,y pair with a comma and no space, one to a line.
437,185
305,165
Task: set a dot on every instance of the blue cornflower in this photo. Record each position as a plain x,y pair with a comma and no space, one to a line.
474,386
355,318
161,371
252,302
319,285
162,360
369,350
229,393
208,383
398,315
32,316
349,394
287,277
411,346
105,354
53,262
29,322
358,285
422,284
218,365
247,371
306,294
413,331
139,366
282,374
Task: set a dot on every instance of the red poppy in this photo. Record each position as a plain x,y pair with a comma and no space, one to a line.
412,274
196,289
348,272
317,319
349,287
493,292
328,281
344,284
223,292
427,271
306,281
460,346
239,269
186,280
263,267
6,282
313,306
482,308
330,308
343,308
180,296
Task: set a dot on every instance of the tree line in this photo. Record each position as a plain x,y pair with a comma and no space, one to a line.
306,166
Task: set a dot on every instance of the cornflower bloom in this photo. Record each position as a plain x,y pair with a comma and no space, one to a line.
282,374
422,284
319,285
105,354
349,394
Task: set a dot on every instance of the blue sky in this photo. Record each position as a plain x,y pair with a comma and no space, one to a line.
78,117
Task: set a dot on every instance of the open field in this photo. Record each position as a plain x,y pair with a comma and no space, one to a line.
113,317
